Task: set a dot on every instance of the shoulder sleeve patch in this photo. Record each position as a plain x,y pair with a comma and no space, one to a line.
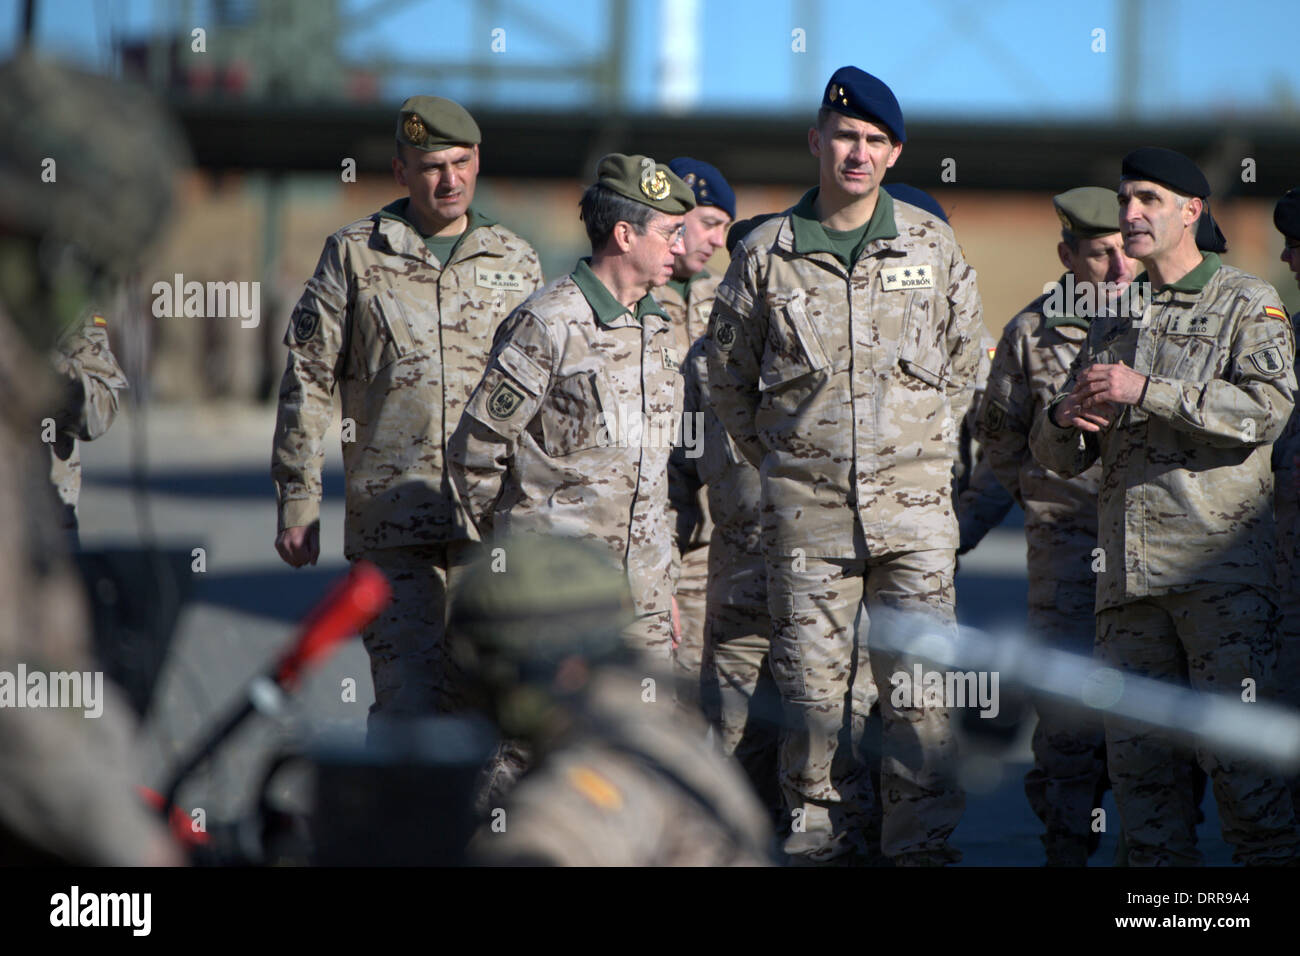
516,363
1268,361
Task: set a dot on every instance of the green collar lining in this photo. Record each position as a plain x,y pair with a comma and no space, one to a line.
810,234
602,301
1195,280
397,209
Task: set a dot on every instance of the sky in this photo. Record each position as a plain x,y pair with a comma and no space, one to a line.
995,59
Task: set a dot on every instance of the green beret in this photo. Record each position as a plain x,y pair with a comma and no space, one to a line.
641,179
1088,211
431,123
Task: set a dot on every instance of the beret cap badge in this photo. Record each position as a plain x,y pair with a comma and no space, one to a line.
655,184
414,129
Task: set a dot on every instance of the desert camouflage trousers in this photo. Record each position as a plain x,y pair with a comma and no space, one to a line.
691,594
828,663
1069,772
739,696
1213,637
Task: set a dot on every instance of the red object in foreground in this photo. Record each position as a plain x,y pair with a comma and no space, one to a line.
181,826
346,609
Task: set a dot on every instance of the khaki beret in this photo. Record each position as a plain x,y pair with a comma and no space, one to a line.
1088,211
641,179
431,123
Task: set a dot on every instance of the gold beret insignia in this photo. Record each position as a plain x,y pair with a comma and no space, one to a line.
414,129
655,184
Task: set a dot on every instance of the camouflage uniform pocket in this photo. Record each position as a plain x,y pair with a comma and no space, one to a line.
920,351
383,334
793,349
570,415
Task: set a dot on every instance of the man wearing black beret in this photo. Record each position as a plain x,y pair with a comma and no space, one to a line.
843,353
1181,403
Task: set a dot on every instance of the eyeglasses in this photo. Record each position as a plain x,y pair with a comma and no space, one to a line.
672,237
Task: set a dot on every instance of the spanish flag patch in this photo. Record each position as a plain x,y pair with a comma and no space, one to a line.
595,788
992,352
1274,312
99,320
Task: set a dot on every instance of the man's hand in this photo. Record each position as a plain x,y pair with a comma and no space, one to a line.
1070,413
299,546
677,624
1110,385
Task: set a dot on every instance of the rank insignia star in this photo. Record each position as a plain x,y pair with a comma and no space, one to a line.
907,273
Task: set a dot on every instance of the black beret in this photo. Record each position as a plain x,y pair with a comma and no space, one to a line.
1209,237
1286,214
856,93
1168,168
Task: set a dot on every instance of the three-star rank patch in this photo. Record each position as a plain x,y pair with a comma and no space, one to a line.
504,400
724,335
1269,361
670,360
899,278
498,279
305,325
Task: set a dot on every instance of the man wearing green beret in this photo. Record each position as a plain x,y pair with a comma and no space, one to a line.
1181,399
570,429
1032,361
399,317
843,353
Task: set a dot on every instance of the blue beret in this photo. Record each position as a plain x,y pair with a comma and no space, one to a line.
916,197
856,93
709,186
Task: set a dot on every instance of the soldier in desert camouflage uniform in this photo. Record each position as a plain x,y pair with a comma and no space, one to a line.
1033,359
622,779
737,692
842,358
687,298
89,405
1286,467
1181,405
399,316
570,429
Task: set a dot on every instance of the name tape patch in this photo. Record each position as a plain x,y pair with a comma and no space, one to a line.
906,277
1194,325
493,279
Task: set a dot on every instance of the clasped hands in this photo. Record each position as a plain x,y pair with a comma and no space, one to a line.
1098,392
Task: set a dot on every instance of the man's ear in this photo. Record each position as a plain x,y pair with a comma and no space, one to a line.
815,141
399,171
1193,210
894,154
621,236
1064,253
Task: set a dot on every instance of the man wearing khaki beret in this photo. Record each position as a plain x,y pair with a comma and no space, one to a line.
399,317
570,429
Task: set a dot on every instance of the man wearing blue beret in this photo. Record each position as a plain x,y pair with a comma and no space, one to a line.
843,353
688,299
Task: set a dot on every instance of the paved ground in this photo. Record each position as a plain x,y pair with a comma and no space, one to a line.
207,485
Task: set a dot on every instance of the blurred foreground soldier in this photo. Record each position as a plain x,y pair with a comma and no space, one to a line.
843,352
687,298
1181,403
67,767
89,404
624,778
1033,360
1286,467
399,317
570,429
